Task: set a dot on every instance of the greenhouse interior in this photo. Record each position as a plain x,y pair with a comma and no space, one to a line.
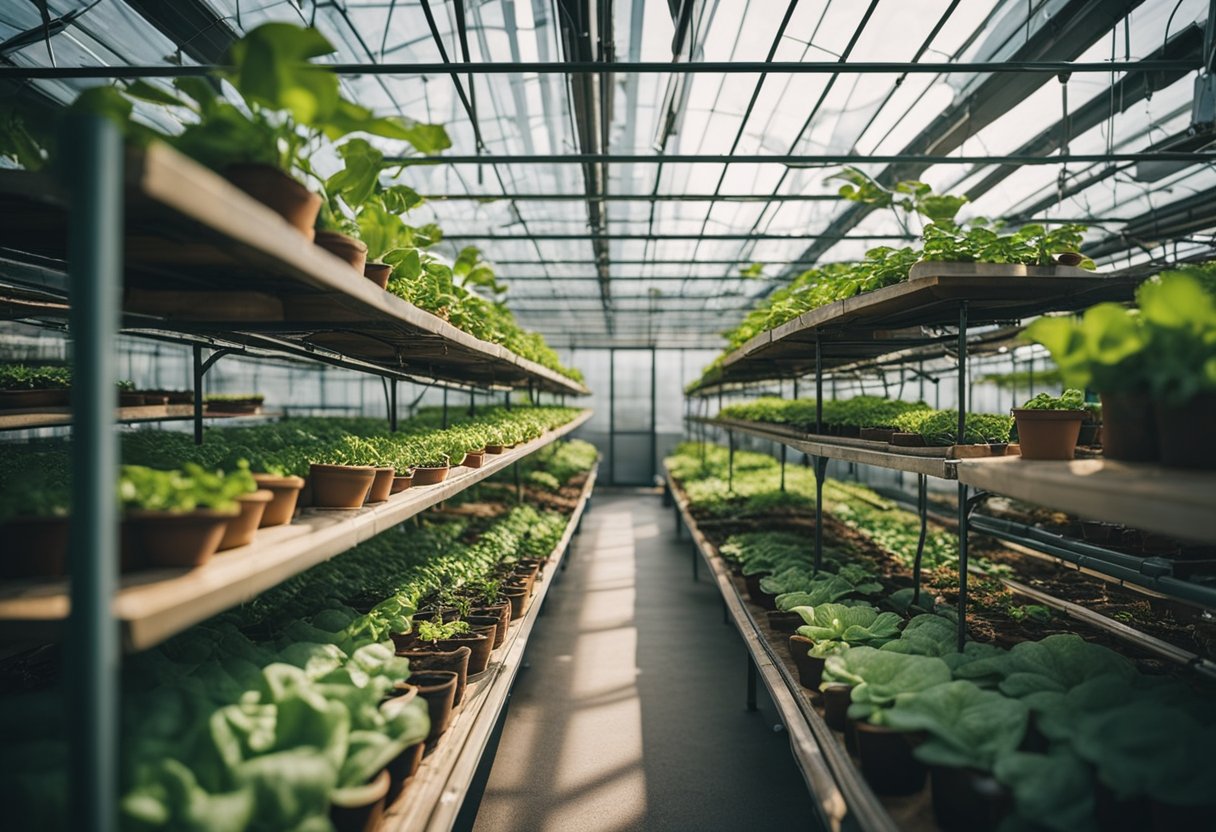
608,415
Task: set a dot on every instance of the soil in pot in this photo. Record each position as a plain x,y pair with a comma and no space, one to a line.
438,688
474,460
479,644
434,658
347,249
836,700
378,273
488,624
784,622
1187,435
340,486
1048,434
430,476
519,602
1129,428
279,192
968,800
502,612
887,761
34,547
401,483
240,529
33,399
285,492
360,809
810,668
178,540
382,485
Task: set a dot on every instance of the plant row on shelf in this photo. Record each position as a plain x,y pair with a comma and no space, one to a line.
271,117
23,387
1053,732
183,502
943,240
310,707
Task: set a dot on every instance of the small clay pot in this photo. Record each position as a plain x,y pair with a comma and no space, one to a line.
500,611
836,700
968,800
240,529
519,602
430,476
279,192
1129,427
34,547
1187,436
887,760
33,399
401,769
475,459
435,658
340,486
378,273
285,493
480,645
401,483
360,809
1048,434
178,540
495,449
382,485
351,251
488,624
810,668
784,622
438,688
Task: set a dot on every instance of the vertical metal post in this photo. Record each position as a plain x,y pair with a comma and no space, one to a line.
751,683
93,154
696,556
922,508
962,489
506,400
654,423
198,394
472,402
445,408
783,450
821,469
392,405
730,461
611,416
795,387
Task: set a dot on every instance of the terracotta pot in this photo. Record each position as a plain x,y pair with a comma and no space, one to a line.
402,769
887,761
361,809
474,460
502,612
529,571
519,602
524,582
810,668
285,492
401,483
434,658
784,622
178,540
340,486
836,700
1187,438
438,688
1048,434
279,192
34,547
382,485
495,449
489,624
479,644
347,249
430,476
240,529
1129,428
757,595
33,399
968,800
378,273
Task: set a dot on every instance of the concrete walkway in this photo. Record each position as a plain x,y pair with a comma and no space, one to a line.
632,715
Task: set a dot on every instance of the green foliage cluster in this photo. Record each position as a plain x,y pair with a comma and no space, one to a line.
21,377
940,427
219,398
857,412
1070,399
1166,347
193,487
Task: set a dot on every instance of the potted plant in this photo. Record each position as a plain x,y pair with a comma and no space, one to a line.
234,404
438,688
356,450
23,387
127,397
1048,426
429,459
829,629
340,485
252,503
34,520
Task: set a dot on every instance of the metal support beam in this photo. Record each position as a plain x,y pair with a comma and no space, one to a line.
392,405
924,160
963,513
922,510
751,684
821,471
201,367
730,464
784,448
93,155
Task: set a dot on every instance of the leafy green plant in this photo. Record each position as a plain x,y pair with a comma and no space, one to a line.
880,677
189,489
829,625
1071,399
940,427
434,631
21,377
967,727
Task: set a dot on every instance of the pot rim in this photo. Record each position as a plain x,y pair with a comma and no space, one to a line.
329,467
1048,415
275,481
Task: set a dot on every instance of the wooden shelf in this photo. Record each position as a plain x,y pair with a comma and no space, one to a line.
202,257
433,797
151,606
60,416
843,798
847,450
1170,501
906,315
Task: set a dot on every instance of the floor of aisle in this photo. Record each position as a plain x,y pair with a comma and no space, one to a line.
632,713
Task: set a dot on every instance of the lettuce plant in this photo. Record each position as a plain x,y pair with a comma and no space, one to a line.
829,625
968,727
1070,399
1057,663
880,677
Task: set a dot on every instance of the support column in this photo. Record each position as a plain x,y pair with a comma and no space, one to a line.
962,489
